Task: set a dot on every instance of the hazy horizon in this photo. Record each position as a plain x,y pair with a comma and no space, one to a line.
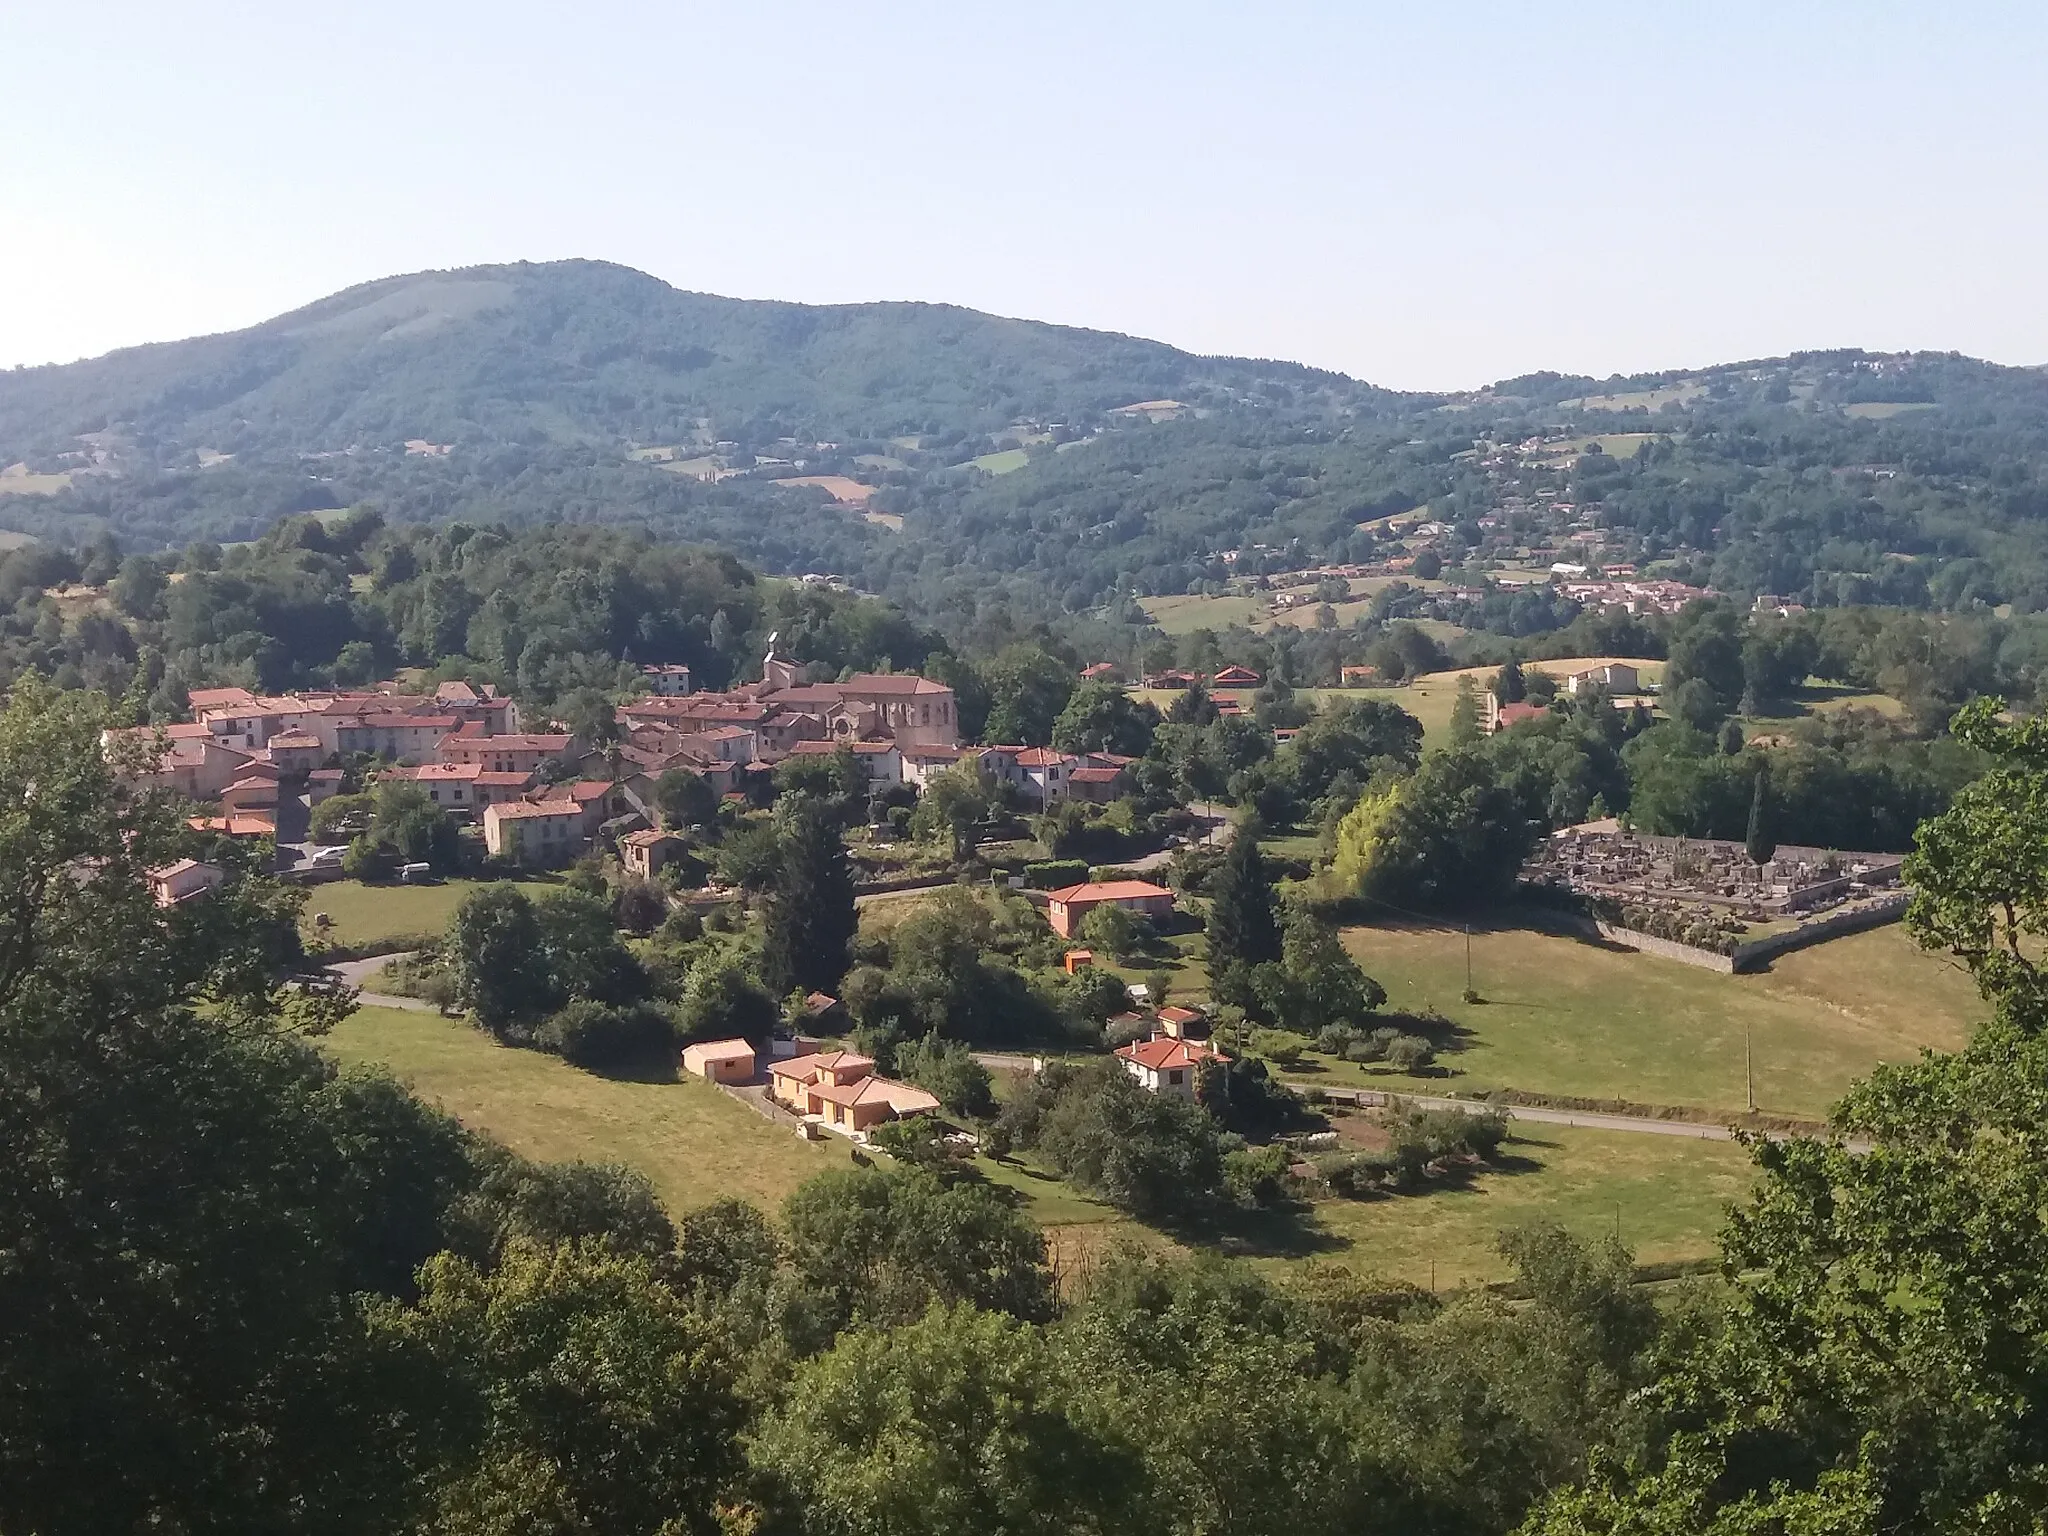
1427,202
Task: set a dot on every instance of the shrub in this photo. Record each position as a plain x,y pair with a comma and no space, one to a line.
947,1070
1053,874
1279,1046
602,1037
1409,1053
1126,1031
640,907
1256,1177
1351,1175
1336,1039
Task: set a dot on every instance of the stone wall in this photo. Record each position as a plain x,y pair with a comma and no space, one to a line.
1750,956
1873,914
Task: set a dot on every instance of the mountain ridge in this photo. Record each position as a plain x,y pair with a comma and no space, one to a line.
612,352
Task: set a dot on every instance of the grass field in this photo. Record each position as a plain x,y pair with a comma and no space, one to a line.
1818,698
1429,699
695,1142
1008,461
362,913
1879,410
1669,1194
1644,399
1576,1017
1616,445
15,480
1183,615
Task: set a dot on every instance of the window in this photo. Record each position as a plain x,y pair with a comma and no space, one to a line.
1173,1077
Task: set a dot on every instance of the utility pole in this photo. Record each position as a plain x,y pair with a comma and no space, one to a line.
1468,959
1748,1068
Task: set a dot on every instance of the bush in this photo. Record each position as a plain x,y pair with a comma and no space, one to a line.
1409,1053
369,861
602,1037
1122,1031
1054,874
1256,1177
1279,1046
640,907
1337,1039
1351,1175
947,1070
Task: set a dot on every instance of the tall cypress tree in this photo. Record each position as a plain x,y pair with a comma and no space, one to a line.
1761,842
810,912
1242,928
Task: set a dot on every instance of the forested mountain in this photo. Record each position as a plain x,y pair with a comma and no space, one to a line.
976,465
583,351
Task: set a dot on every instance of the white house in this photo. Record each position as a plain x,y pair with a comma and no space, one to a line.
1163,1065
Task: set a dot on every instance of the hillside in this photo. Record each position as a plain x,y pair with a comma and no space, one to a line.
583,351
986,471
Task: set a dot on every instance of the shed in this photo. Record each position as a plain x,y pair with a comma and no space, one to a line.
720,1061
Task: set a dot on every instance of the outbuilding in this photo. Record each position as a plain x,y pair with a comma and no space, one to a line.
720,1061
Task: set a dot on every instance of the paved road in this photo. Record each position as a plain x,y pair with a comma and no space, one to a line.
356,972
1586,1119
1219,831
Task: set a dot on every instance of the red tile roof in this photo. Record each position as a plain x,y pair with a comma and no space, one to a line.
1108,890
901,1097
1160,1055
892,682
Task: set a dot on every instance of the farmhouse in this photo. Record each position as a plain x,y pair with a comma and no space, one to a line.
1167,1066
1615,677
671,681
645,853
1500,717
539,835
1068,908
839,1090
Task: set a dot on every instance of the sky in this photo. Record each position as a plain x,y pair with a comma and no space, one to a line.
1430,195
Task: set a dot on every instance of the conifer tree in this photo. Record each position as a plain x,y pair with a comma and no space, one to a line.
810,912
1761,842
1242,928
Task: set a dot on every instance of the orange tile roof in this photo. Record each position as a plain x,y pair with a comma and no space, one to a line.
901,1097
1108,890
804,1068
1161,1055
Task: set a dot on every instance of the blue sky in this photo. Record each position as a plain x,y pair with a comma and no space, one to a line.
1431,195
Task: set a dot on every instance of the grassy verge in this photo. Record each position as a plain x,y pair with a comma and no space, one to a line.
695,1142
